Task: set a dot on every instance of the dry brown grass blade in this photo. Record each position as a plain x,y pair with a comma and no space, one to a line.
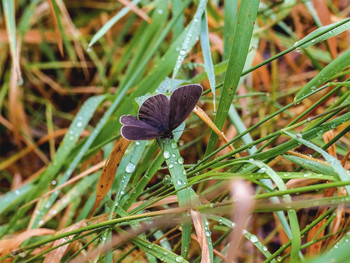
33,36
75,34
346,157
242,196
327,137
325,16
57,254
15,108
49,81
201,237
57,30
136,10
108,173
204,117
14,242
261,75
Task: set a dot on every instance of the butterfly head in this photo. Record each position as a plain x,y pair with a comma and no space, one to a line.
168,134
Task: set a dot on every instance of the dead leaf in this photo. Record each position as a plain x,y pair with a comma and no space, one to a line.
106,179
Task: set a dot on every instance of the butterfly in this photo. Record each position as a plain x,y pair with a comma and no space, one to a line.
158,116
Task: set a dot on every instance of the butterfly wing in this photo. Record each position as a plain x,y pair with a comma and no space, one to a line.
155,111
182,102
135,130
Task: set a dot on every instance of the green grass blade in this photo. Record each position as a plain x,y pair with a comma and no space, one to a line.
328,72
335,164
9,199
10,20
293,219
208,62
242,36
323,33
191,37
107,26
231,7
186,196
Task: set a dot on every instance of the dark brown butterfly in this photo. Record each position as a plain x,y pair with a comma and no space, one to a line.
158,117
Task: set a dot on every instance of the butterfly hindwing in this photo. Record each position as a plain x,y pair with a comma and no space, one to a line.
155,111
182,102
135,129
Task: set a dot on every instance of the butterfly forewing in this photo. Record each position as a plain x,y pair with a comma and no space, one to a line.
135,129
182,102
155,111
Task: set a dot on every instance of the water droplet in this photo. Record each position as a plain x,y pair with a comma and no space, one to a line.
130,167
320,132
20,81
137,143
179,182
53,182
173,155
173,145
160,11
166,155
171,166
179,259
254,238
182,52
180,160
88,49
299,135
208,233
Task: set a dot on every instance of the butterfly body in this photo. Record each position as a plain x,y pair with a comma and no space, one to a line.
158,116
